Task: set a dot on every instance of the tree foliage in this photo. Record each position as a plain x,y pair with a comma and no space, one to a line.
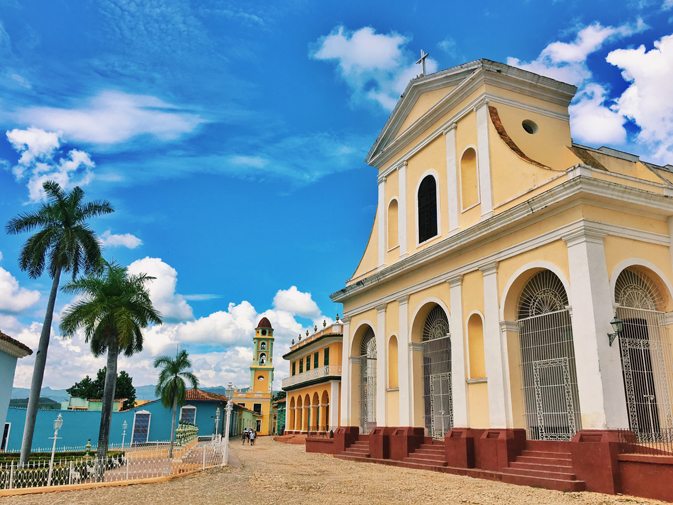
93,389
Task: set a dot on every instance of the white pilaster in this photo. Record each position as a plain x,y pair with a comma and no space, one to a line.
507,326
404,368
334,405
493,350
599,373
670,234
402,209
458,376
346,371
484,160
381,368
452,177
383,246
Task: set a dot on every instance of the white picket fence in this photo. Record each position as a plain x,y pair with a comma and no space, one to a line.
133,463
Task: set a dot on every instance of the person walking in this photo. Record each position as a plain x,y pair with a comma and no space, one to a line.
244,436
253,436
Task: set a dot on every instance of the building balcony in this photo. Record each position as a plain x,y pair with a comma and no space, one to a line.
316,375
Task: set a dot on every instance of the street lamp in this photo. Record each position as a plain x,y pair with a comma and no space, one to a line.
617,325
58,422
124,426
217,420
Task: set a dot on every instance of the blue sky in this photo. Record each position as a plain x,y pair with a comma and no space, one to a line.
230,137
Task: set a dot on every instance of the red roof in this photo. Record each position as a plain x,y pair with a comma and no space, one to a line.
198,395
21,346
264,323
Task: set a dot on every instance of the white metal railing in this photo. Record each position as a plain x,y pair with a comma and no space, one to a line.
131,464
316,373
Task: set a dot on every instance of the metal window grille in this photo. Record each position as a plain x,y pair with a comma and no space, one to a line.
645,350
427,209
437,393
547,360
368,383
141,427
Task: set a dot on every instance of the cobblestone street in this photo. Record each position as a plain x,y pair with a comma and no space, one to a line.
272,472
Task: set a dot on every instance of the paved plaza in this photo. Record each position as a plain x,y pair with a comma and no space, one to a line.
271,472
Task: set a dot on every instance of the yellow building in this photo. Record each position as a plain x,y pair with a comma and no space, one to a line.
501,252
258,396
313,387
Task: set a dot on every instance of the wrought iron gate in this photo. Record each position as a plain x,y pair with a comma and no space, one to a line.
368,383
547,360
437,392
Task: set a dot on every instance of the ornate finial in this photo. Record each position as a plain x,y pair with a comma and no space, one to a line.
337,317
315,328
324,323
293,340
300,337
307,333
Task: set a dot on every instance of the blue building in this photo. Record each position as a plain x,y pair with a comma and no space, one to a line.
10,351
147,423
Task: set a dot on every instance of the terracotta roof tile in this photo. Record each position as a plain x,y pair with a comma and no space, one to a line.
198,395
264,323
15,342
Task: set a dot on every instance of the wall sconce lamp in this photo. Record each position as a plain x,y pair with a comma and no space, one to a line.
617,325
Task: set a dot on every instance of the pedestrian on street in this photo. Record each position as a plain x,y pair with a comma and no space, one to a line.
253,436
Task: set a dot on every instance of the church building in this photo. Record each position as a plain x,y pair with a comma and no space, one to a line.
259,395
516,289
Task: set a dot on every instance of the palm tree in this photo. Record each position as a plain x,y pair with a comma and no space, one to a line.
171,387
114,308
67,244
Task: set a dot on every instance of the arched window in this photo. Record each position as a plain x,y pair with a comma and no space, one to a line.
427,209
393,377
475,340
393,240
469,182
368,382
262,359
262,346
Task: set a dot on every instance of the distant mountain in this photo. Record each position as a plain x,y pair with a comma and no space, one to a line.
45,403
60,395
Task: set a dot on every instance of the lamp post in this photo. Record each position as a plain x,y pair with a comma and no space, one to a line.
217,420
617,325
124,426
58,422
225,451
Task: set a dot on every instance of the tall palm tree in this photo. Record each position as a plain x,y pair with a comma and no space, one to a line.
171,387
67,244
114,308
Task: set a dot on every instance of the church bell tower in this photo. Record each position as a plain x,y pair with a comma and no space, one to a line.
261,371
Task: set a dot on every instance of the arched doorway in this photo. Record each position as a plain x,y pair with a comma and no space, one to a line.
548,371
368,382
645,354
437,394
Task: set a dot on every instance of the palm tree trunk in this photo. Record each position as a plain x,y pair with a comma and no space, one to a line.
175,414
38,373
108,400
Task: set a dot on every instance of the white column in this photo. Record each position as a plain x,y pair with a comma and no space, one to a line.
452,177
599,373
670,235
404,367
493,351
383,246
334,405
402,209
458,376
346,371
381,362
507,326
484,160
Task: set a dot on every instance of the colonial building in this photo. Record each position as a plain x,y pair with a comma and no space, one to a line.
500,254
313,387
258,396
10,351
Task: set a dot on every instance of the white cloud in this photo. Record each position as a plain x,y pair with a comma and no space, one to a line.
566,61
593,122
667,5
14,298
112,117
648,100
448,45
294,301
172,306
375,66
39,161
123,240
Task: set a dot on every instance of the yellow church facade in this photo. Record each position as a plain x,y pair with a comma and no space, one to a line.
502,257
259,395
314,385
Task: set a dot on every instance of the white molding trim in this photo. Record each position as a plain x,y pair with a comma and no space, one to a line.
423,303
425,174
187,407
509,326
484,159
133,429
530,266
402,209
637,262
460,178
354,332
453,205
382,217
480,380
415,347
12,349
526,106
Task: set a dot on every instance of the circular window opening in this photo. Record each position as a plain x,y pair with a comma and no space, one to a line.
260,378
529,126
